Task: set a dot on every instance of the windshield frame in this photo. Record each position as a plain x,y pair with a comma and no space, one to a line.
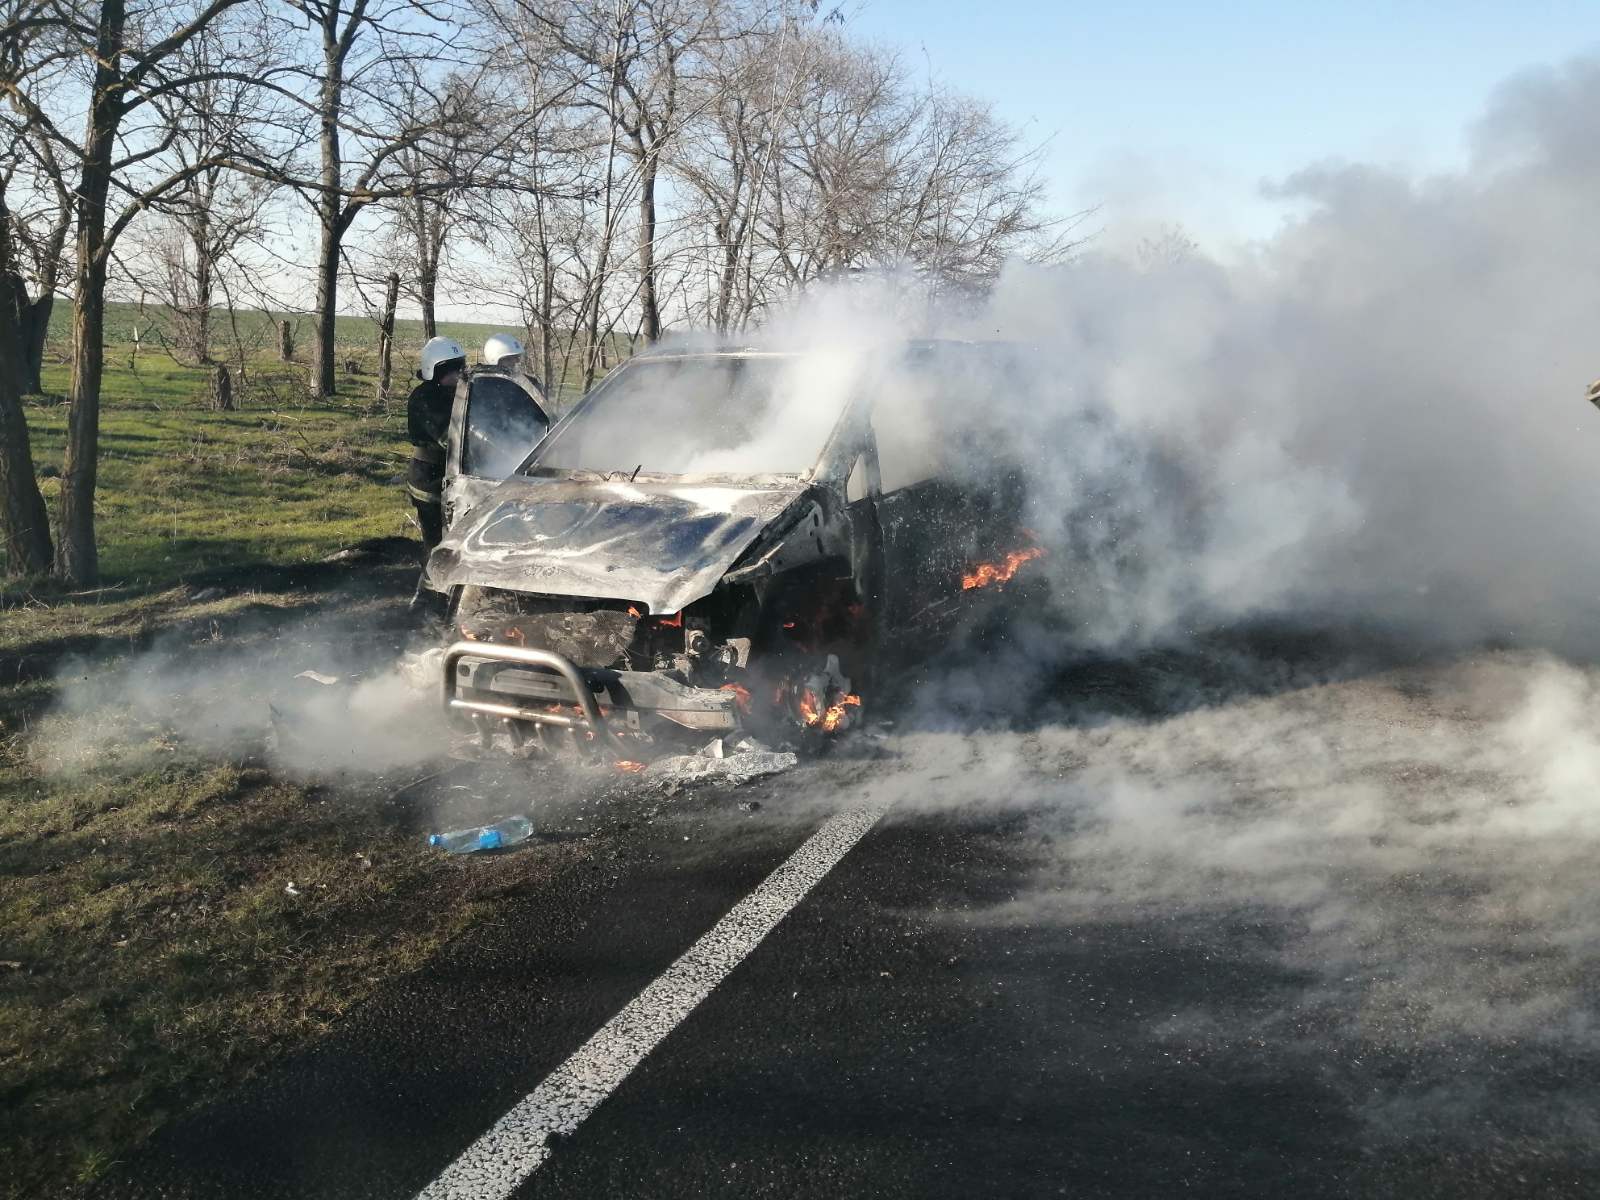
531,467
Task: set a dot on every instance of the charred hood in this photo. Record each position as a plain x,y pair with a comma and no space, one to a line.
661,544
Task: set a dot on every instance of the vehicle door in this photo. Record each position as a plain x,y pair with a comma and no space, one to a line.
498,417
921,515
942,508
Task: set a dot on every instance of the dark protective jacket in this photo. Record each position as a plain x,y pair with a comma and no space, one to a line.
427,423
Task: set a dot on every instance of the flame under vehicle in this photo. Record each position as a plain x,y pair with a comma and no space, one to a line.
719,541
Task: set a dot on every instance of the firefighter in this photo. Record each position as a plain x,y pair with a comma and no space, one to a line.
502,350
428,423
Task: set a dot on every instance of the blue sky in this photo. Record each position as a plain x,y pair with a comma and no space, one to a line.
1161,112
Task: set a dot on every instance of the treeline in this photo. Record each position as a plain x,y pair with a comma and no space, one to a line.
605,168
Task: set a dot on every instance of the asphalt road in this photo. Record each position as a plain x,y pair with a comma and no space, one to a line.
1311,933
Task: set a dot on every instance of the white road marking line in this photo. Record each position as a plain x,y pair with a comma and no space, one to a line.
496,1164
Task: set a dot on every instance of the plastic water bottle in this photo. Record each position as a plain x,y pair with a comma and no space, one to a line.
485,837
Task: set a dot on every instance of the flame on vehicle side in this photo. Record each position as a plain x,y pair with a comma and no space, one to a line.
999,573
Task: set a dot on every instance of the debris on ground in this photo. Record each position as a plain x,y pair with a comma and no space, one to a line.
289,889
319,677
739,767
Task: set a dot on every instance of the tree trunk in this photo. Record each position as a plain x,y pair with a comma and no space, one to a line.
323,384
76,557
23,519
35,329
27,525
428,289
430,248
547,334
221,389
329,215
200,326
285,342
36,325
650,314
77,560
391,298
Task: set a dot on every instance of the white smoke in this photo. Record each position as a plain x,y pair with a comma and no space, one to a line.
1377,413
311,697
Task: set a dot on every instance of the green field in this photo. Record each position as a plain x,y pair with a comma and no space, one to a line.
354,335
184,489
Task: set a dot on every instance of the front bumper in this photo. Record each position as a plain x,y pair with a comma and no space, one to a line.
544,688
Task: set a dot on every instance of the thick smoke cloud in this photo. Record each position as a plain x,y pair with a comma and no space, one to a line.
1385,403
1377,413
1375,420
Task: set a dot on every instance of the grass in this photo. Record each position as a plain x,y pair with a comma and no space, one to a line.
180,486
149,953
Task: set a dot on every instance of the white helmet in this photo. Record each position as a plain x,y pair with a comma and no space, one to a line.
500,347
438,352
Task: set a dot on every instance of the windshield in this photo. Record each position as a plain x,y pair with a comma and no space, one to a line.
699,415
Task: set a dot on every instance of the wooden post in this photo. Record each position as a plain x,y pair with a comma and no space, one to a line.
386,340
285,342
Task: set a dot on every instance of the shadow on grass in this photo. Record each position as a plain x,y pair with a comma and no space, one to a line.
378,568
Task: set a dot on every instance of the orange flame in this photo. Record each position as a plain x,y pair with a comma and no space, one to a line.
675,621
634,612
514,634
809,706
836,714
985,574
624,764
741,696
833,717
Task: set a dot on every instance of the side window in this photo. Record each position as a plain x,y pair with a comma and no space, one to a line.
855,488
909,447
503,423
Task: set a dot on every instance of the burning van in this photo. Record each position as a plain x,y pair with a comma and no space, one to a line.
722,541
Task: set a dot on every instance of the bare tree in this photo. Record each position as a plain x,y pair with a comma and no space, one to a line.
136,79
23,519
218,210
431,207
34,59
392,119
391,297
633,64
816,156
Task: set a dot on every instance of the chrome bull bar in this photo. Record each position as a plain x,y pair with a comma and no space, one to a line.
582,694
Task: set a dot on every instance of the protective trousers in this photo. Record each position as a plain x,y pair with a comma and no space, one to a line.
425,486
